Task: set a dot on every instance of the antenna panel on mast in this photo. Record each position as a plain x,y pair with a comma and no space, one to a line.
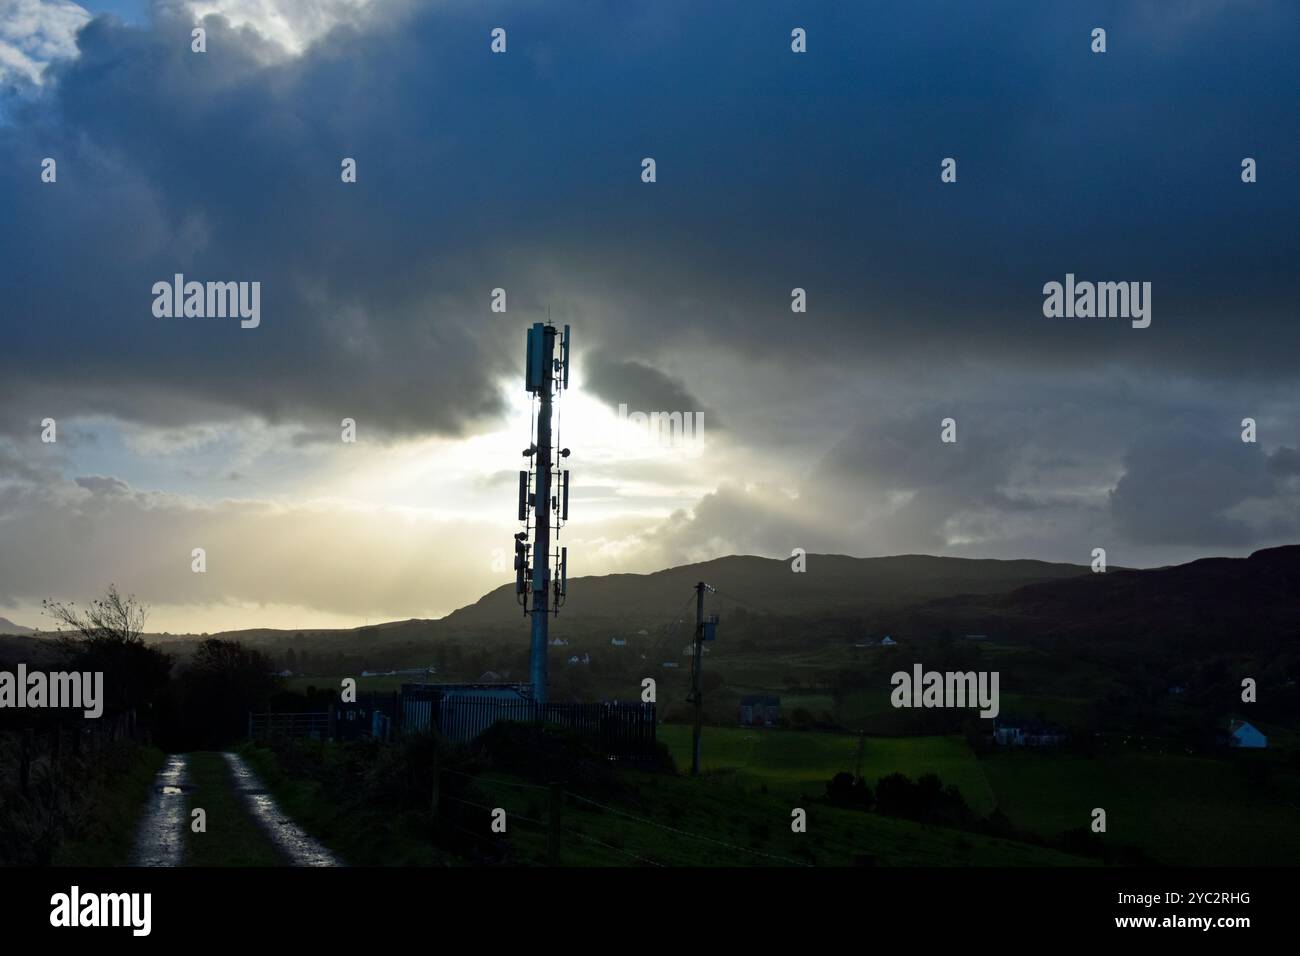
534,374
564,353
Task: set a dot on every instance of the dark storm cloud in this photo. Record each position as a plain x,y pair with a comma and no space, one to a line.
1284,463
1155,481
522,171
1184,486
733,520
102,485
640,387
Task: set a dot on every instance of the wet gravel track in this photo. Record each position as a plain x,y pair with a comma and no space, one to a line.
160,839
291,840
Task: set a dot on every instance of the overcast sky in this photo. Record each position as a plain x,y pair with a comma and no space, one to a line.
523,171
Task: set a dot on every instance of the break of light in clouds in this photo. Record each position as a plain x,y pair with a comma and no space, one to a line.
523,172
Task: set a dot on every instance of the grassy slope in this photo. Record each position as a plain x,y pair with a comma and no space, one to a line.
717,822
357,833
1181,810
107,834
722,822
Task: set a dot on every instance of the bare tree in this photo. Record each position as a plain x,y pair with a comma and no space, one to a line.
111,619
108,636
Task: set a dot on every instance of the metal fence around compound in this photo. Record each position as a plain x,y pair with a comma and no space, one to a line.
624,730
621,730
314,726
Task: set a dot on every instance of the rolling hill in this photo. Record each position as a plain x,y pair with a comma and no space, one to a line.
832,586
1234,603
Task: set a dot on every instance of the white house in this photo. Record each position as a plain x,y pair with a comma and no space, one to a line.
618,641
1242,734
888,642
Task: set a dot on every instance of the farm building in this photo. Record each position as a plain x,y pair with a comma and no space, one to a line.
759,710
888,642
1018,732
1242,734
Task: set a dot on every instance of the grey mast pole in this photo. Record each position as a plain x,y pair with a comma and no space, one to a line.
542,518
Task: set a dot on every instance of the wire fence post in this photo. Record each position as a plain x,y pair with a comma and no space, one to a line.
25,760
433,797
553,831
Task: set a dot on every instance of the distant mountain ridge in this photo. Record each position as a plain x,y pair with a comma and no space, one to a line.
832,584
1228,600
9,627
1224,599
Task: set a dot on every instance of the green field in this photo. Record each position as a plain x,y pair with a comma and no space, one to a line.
647,819
795,762
1180,810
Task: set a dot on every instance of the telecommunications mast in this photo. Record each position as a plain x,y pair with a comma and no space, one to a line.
543,502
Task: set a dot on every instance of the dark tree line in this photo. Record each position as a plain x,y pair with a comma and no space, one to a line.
202,703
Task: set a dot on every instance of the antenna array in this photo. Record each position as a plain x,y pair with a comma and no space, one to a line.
543,505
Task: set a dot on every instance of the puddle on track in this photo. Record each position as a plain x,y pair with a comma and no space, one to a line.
160,839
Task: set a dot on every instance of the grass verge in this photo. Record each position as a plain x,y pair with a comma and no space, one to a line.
233,837
105,833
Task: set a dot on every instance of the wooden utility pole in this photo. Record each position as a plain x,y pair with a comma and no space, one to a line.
697,684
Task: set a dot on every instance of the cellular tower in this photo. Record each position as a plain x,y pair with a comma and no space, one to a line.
541,567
